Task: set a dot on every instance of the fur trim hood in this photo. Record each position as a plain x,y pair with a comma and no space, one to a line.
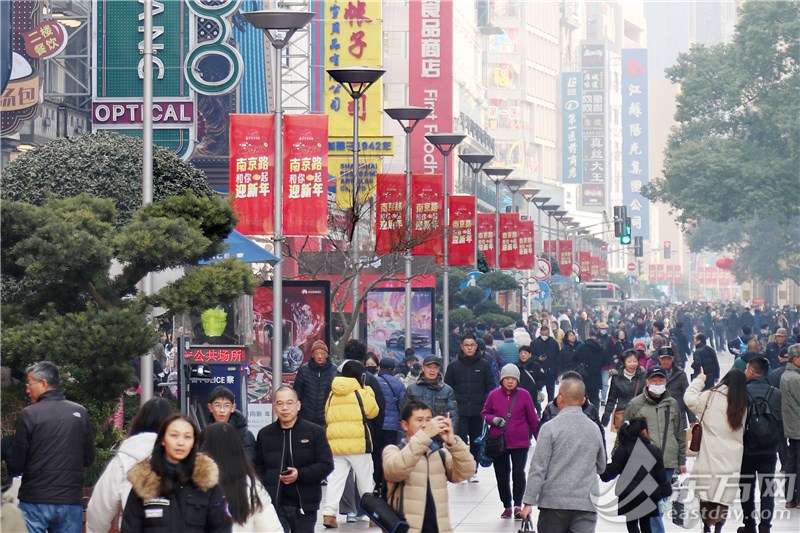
147,484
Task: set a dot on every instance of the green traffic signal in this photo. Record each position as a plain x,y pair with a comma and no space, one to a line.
625,239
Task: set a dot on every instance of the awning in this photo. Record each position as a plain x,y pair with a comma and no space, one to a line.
242,249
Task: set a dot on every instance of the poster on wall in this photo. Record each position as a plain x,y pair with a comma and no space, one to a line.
306,319
386,322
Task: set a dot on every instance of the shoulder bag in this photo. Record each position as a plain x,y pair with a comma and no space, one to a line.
619,414
697,428
496,446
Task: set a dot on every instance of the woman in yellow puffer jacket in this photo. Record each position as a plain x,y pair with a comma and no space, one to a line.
349,406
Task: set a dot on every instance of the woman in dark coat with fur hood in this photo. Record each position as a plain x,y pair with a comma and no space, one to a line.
176,489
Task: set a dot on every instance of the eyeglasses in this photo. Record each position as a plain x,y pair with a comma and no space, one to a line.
222,407
287,403
469,345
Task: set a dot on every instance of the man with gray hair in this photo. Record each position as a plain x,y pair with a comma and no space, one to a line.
790,409
569,455
52,445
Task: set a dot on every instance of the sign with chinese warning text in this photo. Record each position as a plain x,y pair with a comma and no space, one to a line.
427,206
390,209
216,354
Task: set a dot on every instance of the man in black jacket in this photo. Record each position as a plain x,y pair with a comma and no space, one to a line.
313,383
471,378
545,351
759,458
222,408
292,459
52,445
705,357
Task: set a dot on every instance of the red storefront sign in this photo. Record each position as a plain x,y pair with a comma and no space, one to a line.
390,208
509,240
486,237
525,233
430,78
461,236
250,175
305,175
427,205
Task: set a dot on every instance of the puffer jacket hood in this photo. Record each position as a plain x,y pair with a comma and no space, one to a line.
343,386
347,429
139,446
147,484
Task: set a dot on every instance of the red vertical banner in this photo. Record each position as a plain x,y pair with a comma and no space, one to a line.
509,240
486,237
305,175
565,257
550,248
427,212
390,209
678,275
661,273
430,78
595,266
584,259
252,165
461,251
604,269
651,272
525,258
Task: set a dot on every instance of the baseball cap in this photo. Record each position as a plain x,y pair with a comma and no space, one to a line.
431,360
666,351
387,362
656,371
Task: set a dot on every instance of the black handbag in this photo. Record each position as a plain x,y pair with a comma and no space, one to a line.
380,512
496,446
526,526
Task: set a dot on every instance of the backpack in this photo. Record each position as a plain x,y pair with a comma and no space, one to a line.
762,427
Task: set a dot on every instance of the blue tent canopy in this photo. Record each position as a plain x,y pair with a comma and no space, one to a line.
242,249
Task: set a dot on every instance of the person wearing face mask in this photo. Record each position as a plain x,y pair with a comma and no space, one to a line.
677,382
371,363
545,351
666,425
607,343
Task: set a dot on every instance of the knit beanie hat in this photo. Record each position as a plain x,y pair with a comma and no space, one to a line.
353,369
509,371
319,345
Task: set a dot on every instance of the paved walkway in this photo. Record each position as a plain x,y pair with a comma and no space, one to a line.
476,507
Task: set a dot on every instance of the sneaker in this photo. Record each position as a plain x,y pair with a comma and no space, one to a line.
517,513
474,478
329,522
506,514
352,518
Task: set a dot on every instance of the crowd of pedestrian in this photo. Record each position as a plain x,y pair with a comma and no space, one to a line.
404,429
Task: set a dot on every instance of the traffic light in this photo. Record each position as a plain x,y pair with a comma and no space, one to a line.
667,249
576,278
625,238
620,214
638,246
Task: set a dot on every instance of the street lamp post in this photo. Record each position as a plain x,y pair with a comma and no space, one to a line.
356,81
446,143
558,215
408,117
279,25
539,202
476,163
497,175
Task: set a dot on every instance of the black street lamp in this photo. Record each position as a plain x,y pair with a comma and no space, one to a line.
476,163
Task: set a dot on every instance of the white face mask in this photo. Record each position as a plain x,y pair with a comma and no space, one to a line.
658,390
545,337
603,331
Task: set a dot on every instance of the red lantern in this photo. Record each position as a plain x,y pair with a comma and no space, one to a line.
724,263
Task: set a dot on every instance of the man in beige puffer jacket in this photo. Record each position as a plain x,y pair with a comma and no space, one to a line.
417,472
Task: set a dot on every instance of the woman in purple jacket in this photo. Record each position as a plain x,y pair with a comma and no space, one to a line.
518,426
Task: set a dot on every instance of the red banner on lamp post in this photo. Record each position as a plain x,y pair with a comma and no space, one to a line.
486,237
565,257
461,250
525,259
427,206
595,266
509,240
305,175
252,165
390,210
586,265
604,269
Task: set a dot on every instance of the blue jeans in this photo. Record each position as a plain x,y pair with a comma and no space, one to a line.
656,523
52,518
